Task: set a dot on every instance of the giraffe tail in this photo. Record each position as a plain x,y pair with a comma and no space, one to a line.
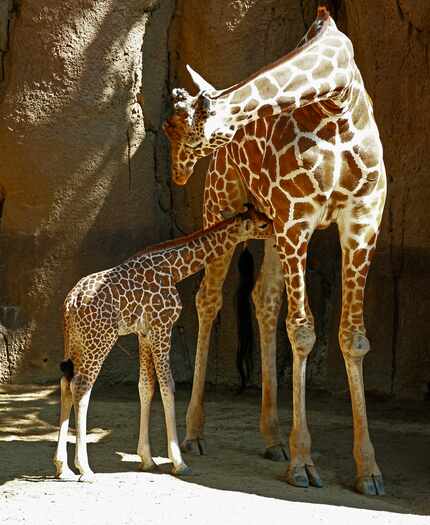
68,369
244,358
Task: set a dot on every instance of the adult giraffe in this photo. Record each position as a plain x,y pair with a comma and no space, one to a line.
319,161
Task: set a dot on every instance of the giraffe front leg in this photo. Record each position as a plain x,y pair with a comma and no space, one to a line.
208,303
292,245
354,346
60,459
146,393
267,297
160,348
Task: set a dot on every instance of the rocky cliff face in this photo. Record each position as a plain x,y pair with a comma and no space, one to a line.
84,173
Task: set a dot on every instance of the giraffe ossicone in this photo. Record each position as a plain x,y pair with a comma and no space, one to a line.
137,296
202,84
306,151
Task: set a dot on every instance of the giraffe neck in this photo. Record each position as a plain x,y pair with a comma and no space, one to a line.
188,255
194,255
322,69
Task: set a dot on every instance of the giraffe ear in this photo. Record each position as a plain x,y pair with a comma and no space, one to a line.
199,81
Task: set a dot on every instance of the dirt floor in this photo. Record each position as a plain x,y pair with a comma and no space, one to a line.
232,484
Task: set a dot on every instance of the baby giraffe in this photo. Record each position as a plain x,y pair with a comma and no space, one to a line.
138,296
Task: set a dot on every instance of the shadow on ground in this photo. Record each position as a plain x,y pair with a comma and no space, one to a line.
400,431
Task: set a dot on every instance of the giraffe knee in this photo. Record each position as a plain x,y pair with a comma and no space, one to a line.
354,345
302,339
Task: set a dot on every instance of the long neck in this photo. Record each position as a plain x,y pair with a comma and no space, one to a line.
188,255
320,70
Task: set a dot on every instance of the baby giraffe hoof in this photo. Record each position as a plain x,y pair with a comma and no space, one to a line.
276,453
181,470
371,485
66,474
87,477
194,446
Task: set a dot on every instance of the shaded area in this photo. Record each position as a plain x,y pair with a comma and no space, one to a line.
400,432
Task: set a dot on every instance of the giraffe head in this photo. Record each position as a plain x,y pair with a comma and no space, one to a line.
254,225
197,127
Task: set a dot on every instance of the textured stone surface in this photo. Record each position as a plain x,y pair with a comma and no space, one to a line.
80,191
84,172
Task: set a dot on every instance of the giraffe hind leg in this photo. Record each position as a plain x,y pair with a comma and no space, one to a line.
63,471
147,381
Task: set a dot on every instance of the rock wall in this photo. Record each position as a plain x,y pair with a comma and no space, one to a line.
74,165
84,171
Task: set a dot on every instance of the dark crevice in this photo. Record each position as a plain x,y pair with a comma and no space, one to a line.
400,10
3,334
302,9
2,201
129,160
13,11
169,84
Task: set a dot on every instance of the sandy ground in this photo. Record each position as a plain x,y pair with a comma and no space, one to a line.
232,484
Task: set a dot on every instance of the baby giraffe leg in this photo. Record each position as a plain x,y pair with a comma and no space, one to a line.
60,458
146,393
81,387
160,347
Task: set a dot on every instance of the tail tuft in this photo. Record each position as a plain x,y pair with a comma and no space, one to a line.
244,359
67,368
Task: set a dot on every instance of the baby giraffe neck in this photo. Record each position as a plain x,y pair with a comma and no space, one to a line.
193,255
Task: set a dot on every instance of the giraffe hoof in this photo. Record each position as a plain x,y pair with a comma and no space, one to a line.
150,467
181,470
194,446
276,453
372,485
297,477
66,475
87,477
313,476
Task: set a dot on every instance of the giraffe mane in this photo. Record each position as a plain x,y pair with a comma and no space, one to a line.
174,243
323,14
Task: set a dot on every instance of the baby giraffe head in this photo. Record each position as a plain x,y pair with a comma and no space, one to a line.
254,225
198,126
